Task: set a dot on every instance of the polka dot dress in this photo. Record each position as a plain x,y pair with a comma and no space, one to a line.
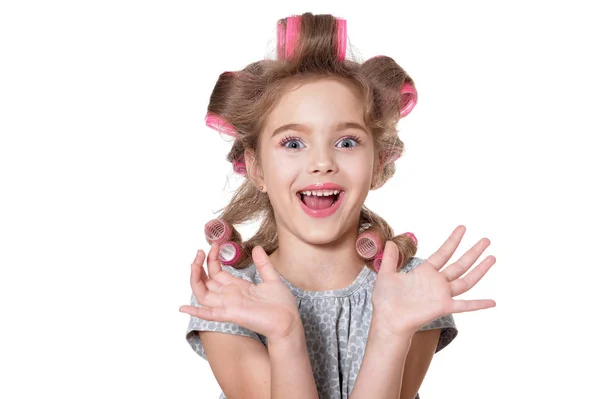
336,326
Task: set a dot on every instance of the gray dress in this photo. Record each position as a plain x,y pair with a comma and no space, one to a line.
336,326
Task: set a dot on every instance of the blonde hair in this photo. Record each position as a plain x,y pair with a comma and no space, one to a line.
242,100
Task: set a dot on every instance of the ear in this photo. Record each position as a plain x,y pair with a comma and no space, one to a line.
253,169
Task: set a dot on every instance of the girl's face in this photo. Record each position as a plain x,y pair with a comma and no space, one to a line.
317,161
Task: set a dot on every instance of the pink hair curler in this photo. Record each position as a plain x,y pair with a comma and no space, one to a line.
239,167
342,36
368,244
219,124
377,261
408,99
217,230
412,237
230,253
288,36
379,258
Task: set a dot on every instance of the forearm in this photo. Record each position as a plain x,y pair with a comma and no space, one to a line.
380,374
291,372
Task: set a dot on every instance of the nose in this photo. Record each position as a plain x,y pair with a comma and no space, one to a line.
322,161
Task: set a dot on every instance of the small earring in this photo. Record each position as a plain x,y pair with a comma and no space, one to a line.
260,188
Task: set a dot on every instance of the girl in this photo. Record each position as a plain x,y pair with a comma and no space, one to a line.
324,301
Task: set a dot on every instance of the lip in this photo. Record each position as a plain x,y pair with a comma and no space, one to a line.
322,213
322,186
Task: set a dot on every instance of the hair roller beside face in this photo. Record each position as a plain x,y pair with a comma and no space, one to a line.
390,81
214,118
230,253
408,99
369,244
218,230
239,166
219,124
379,257
221,232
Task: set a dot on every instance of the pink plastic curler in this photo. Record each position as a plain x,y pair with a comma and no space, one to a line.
230,253
288,36
239,167
341,39
412,236
408,99
217,230
368,244
220,125
378,260
288,39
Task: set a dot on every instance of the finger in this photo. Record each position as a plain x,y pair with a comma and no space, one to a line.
463,264
198,280
263,265
196,275
213,263
464,284
389,262
210,314
461,306
442,255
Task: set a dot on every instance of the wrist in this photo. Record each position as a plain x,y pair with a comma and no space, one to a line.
381,328
291,335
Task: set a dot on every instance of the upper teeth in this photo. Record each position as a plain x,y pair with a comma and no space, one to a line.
321,193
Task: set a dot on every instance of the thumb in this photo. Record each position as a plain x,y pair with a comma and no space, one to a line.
389,263
263,265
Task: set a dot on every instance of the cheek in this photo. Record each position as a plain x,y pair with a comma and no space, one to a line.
360,170
280,170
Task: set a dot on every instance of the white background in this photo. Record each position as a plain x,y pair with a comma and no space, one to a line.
108,175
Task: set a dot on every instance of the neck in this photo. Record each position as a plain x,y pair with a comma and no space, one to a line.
317,267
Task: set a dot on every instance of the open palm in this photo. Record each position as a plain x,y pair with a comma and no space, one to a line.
407,301
269,308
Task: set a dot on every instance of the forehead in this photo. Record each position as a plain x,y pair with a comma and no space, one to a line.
320,101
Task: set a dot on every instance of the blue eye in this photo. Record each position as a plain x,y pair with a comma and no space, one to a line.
293,143
348,142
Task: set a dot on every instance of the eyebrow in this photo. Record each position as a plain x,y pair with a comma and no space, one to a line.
305,129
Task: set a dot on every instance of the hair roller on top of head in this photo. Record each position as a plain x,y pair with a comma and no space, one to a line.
288,37
218,230
368,244
342,37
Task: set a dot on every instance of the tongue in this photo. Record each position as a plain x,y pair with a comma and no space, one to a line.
318,202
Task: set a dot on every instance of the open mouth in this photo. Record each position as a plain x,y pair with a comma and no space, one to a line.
319,199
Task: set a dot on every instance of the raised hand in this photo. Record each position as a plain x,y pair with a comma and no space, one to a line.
269,308
404,302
